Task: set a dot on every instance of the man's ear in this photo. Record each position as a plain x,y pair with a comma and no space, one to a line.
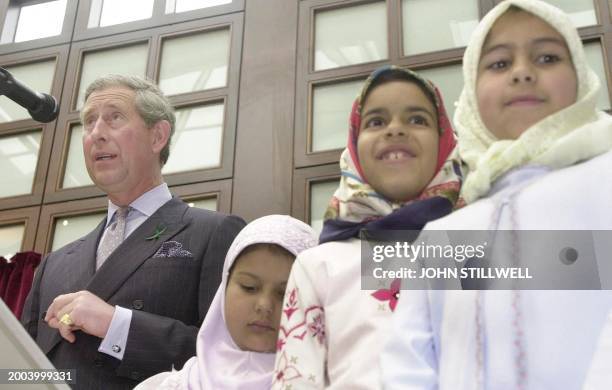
160,135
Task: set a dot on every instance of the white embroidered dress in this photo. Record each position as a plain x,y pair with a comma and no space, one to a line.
341,343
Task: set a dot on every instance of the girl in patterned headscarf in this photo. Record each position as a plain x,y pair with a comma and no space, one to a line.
379,187
236,343
539,157
396,175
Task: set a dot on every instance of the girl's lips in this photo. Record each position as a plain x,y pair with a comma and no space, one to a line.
261,327
524,100
395,153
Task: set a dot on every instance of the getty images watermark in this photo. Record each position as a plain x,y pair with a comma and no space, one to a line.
504,259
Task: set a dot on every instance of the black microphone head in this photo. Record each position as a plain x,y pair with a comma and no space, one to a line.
47,110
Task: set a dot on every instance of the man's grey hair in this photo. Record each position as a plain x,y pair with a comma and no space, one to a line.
150,102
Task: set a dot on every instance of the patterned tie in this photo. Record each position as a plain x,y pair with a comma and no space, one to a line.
113,237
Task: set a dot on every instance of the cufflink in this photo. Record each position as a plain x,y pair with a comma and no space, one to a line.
138,304
116,348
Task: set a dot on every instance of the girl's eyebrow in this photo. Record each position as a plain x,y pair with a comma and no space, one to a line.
406,109
374,111
536,42
248,274
420,109
553,40
501,46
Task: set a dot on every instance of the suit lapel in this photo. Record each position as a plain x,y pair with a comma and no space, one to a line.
82,269
137,248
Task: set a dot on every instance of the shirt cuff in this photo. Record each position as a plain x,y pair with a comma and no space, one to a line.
116,337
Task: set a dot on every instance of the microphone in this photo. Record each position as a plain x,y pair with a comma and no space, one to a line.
41,106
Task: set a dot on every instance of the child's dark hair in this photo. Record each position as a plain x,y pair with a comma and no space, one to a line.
274,248
514,8
400,75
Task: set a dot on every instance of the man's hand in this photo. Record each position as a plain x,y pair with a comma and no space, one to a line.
88,313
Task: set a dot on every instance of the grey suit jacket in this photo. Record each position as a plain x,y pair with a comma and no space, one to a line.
169,296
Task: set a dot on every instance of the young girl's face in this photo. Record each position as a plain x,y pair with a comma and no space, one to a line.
525,74
398,140
254,298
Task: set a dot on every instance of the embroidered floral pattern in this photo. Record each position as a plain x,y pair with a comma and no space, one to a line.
291,304
317,328
299,330
285,371
280,343
296,323
391,294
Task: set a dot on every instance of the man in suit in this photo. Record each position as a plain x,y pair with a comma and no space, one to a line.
126,301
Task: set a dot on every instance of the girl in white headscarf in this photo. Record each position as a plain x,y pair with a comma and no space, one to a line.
538,155
237,340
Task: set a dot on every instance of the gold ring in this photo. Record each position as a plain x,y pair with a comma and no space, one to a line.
66,320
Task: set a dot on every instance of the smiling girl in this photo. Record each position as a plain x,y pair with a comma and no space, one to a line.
395,175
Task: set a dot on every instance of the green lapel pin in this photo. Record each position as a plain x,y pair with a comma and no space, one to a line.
159,230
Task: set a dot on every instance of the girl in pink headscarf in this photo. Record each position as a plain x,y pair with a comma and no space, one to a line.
397,174
237,341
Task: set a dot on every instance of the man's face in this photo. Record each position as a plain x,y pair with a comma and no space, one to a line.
121,153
